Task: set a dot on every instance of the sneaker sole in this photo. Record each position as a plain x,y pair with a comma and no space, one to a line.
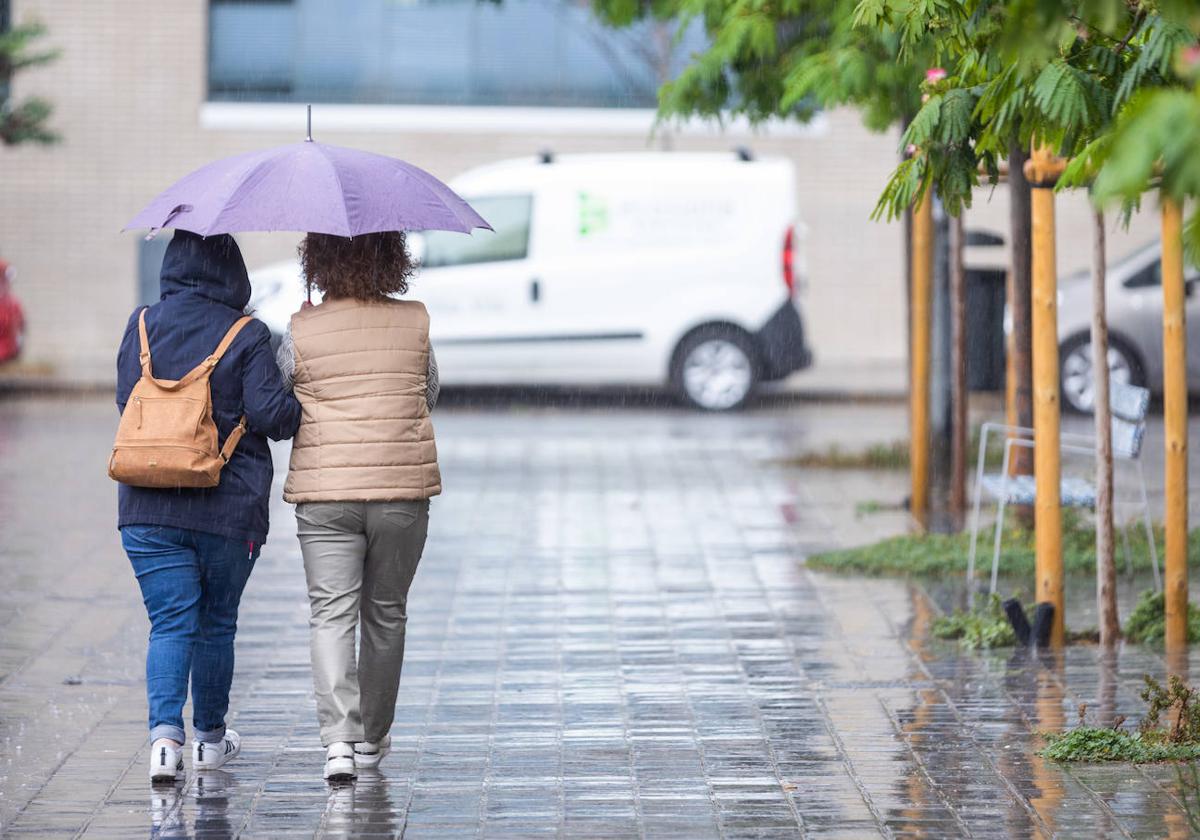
341,771
165,777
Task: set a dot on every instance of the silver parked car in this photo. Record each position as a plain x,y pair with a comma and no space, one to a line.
1134,305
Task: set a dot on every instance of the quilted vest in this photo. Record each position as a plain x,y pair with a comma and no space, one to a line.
365,433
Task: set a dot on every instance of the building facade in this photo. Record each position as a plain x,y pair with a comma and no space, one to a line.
143,96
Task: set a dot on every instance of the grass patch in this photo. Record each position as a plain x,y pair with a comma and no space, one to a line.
1094,743
886,456
939,554
879,456
1147,622
1154,741
984,628
989,627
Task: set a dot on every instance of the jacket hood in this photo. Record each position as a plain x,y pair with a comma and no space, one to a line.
208,266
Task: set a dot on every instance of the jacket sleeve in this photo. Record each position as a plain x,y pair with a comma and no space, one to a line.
129,367
271,409
433,385
285,358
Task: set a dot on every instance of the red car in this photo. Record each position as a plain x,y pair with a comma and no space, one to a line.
12,317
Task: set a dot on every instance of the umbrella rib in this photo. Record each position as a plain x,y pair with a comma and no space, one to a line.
341,187
416,175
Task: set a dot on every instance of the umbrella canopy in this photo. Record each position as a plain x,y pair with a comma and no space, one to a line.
309,187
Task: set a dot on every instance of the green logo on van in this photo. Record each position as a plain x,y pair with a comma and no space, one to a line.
593,214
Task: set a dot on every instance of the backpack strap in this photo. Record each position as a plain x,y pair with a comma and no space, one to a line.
227,340
205,368
233,440
144,341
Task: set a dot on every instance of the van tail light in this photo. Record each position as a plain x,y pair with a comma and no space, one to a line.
789,260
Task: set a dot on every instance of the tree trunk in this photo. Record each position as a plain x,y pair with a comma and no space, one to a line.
1106,567
958,374
1020,305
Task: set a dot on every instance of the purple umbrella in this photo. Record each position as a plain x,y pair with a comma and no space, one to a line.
309,187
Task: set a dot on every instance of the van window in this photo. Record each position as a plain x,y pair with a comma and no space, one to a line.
508,214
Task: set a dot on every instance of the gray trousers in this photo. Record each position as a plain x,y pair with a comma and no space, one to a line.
359,558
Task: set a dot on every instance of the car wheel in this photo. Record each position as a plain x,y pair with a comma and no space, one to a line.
1075,370
715,368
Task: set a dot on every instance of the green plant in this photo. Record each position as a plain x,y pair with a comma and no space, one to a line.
986,627
885,456
1179,740
23,122
939,554
1178,698
879,456
1147,622
1094,743
870,506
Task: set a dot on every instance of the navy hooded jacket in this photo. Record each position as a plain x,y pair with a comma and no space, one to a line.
205,289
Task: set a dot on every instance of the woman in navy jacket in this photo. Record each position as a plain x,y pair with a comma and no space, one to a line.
193,549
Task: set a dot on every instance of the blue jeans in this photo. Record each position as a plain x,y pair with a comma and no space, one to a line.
191,585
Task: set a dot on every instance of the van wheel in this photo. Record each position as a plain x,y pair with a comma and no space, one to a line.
715,368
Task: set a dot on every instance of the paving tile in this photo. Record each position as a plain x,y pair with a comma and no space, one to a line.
612,634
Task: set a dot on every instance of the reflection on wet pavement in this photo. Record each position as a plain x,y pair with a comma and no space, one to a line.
611,635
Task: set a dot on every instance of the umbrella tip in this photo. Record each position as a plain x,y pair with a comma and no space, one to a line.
308,138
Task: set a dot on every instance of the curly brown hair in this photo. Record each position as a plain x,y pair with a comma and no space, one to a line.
365,267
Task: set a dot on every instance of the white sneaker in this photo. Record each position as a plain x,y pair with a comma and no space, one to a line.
339,762
370,753
212,756
166,761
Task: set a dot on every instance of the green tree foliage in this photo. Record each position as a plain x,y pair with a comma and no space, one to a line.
1111,84
25,121
786,58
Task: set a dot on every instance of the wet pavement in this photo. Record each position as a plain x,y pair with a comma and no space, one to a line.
612,634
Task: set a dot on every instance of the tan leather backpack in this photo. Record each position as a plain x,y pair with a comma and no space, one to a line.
167,437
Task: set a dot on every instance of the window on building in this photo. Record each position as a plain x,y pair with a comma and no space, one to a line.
250,48
438,52
509,215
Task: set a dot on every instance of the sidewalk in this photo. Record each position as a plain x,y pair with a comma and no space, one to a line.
611,635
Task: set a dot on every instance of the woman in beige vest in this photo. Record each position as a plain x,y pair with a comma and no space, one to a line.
363,468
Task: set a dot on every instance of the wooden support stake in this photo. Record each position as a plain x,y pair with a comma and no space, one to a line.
921,328
1042,170
1175,410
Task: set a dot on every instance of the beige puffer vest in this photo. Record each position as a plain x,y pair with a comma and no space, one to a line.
365,434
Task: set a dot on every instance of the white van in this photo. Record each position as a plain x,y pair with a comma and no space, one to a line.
616,269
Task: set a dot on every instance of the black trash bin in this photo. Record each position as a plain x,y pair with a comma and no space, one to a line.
985,329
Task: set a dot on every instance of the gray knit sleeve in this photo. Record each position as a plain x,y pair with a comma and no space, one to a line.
285,357
432,385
